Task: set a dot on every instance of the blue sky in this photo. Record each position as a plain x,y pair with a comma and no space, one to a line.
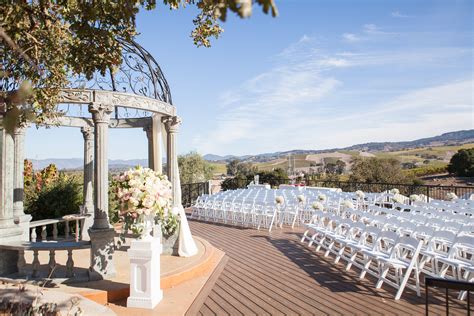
323,74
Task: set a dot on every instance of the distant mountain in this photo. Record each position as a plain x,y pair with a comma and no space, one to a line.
211,157
77,163
451,138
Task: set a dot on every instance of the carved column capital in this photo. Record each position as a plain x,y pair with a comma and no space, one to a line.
19,131
87,132
101,112
172,123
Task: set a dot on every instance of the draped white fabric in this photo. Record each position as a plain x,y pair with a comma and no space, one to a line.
187,247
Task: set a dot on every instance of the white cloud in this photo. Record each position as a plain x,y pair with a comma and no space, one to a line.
369,31
292,104
397,14
350,37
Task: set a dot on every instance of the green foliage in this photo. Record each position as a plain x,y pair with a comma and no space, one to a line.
274,178
46,41
235,167
232,167
114,205
462,163
337,167
193,168
53,199
241,180
382,170
169,225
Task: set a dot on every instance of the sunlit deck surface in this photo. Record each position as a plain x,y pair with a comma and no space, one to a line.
274,274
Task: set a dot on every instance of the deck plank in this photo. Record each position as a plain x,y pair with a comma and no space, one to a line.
274,273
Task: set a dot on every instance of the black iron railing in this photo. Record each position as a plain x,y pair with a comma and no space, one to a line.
191,191
448,285
431,191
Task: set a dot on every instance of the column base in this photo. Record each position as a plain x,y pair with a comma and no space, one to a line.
9,258
102,253
23,222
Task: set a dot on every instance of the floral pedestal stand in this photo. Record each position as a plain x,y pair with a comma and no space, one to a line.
144,255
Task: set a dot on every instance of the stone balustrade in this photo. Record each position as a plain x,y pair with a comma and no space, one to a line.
52,247
77,219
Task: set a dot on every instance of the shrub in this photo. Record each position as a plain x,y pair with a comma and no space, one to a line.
382,170
462,163
54,199
193,168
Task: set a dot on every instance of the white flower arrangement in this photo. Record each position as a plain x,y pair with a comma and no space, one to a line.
395,191
451,196
142,193
318,206
301,198
414,198
398,198
348,204
360,194
279,200
322,197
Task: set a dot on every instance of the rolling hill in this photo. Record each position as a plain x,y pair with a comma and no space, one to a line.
367,149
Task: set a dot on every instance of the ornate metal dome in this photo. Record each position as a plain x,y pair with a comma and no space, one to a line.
139,74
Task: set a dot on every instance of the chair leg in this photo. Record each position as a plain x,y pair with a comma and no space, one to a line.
403,284
383,274
367,263
304,235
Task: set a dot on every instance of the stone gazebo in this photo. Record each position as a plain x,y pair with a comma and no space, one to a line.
135,96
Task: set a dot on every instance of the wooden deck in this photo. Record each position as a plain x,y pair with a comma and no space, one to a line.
274,274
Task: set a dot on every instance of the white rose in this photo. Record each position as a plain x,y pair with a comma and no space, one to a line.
360,194
348,204
279,200
318,206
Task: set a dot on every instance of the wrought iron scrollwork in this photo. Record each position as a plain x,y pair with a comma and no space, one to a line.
139,74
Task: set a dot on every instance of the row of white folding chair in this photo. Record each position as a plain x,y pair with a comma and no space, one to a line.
432,239
412,214
409,224
362,245
423,233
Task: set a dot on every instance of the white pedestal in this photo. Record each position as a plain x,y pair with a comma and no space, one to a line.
145,291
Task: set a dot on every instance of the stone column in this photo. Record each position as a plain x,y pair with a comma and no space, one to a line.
157,147
19,215
101,233
9,232
149,135
172,124
88,203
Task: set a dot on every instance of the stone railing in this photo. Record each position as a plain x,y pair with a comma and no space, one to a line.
52,247
69,242
44,223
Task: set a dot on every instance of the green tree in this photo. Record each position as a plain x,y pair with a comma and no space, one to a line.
232,167
193,168
462,163
340,166
52,199
386,170
44,42
235,167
